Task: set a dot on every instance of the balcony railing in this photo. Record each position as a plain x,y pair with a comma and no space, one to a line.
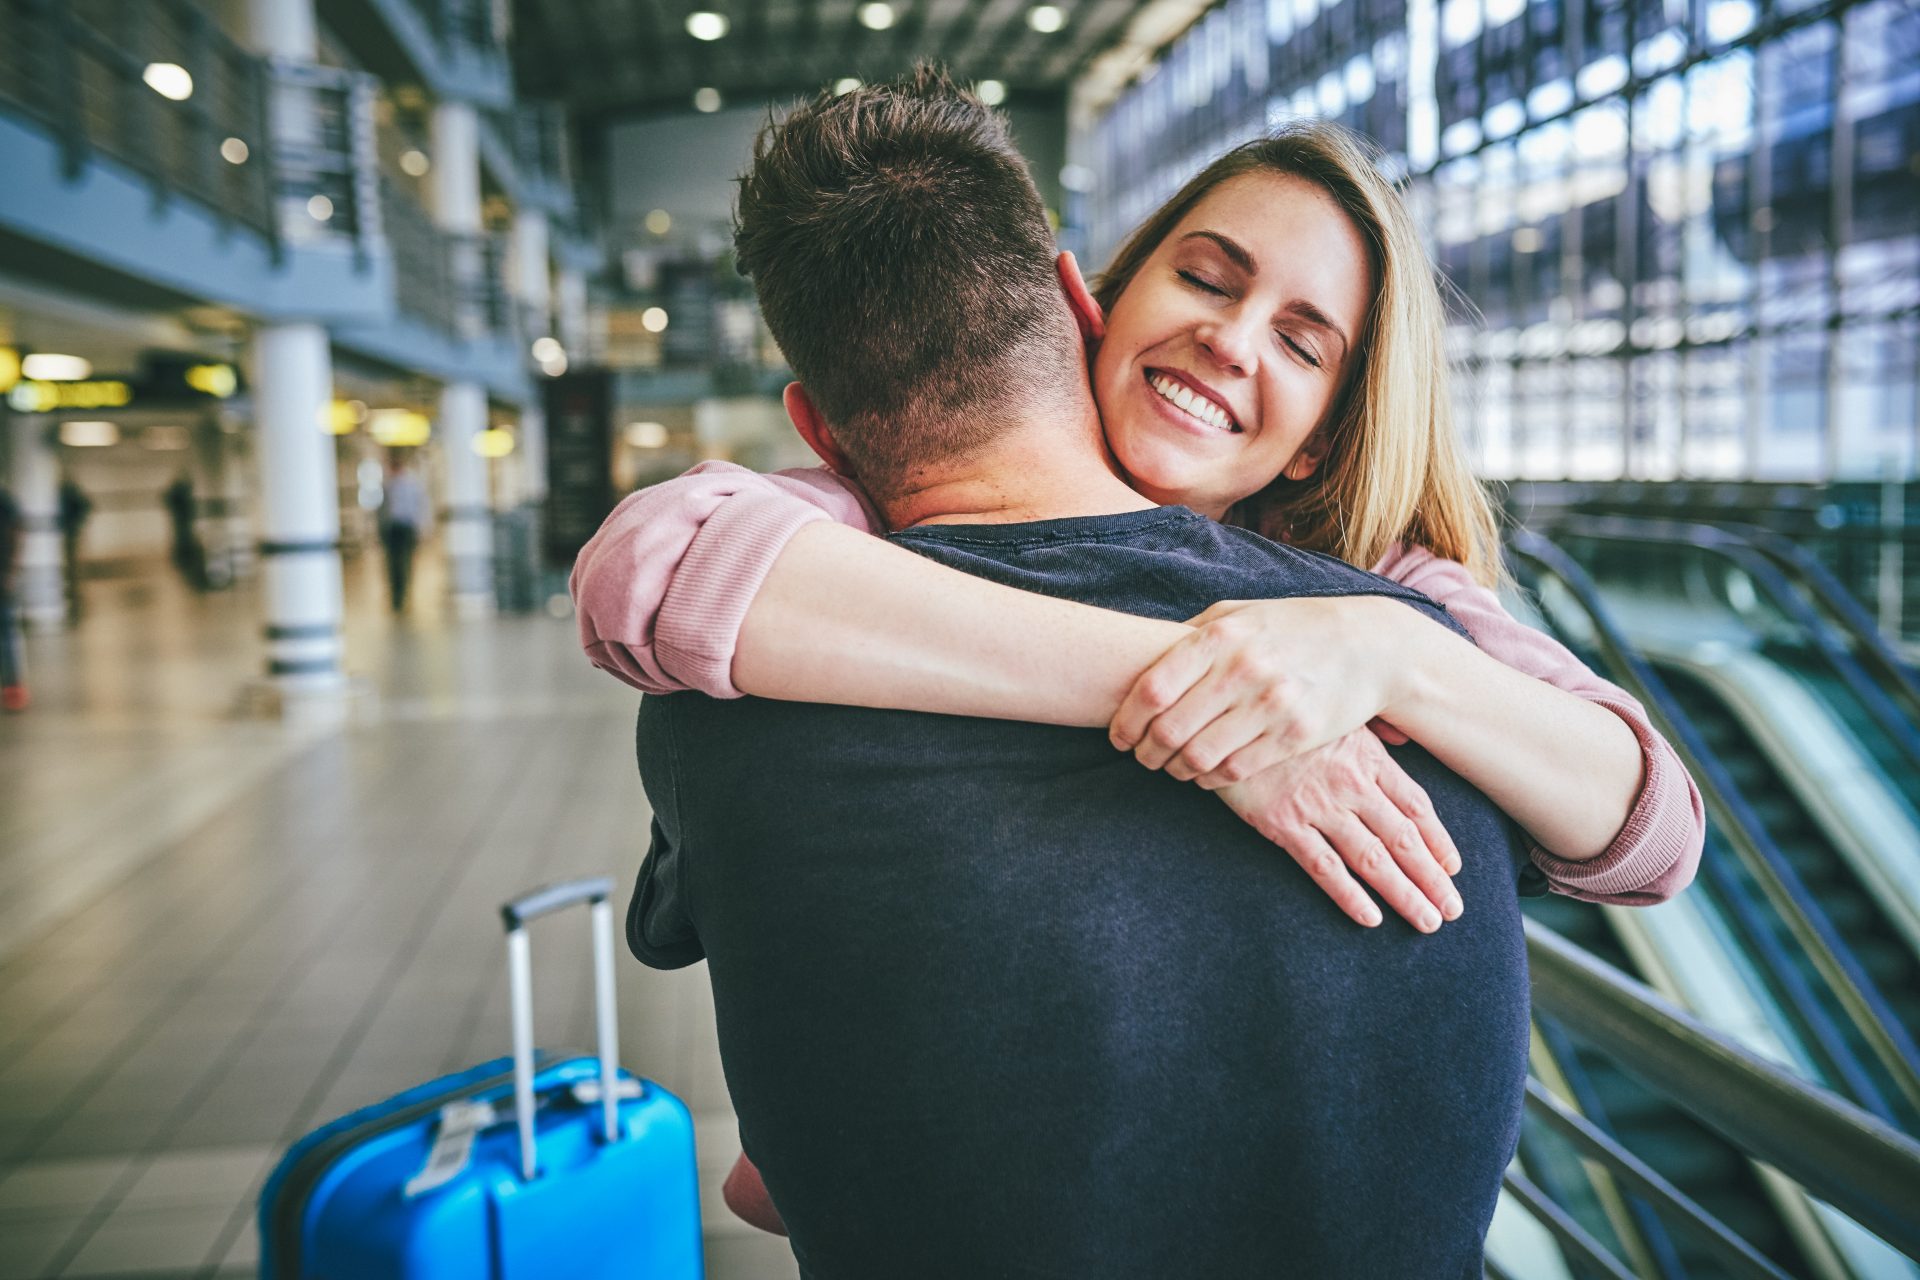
284,149
476,24
456,283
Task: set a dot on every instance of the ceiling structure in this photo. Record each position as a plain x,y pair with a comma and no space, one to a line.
619,57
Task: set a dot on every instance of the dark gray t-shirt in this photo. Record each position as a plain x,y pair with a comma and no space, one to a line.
995,1001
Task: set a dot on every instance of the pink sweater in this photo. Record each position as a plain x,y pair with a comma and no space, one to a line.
663,587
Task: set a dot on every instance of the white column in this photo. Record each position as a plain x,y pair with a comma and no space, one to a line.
40,585
454,188
299,508
570,312
469,526
531,277
453,183
531,449
282,29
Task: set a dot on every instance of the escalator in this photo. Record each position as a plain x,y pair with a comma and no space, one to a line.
1803,1020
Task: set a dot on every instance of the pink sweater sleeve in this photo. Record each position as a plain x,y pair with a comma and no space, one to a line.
1657,851
662,589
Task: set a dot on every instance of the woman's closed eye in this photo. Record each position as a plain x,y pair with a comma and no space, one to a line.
1298,349
1201,283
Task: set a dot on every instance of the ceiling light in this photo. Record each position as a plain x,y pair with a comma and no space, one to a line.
706,25
320,208
234,151
991,92
414,163
707,99
89,435
494,442
47,367
399,428
545,349
554,367
646,435
653,319
169,80
876,17
1046,18
846,84
659,222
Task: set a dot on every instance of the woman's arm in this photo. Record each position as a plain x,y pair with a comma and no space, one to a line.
1567,755
1656,850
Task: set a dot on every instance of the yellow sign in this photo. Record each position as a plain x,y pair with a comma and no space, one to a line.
216,380
46,397
399,428
495,442
9,369
339,418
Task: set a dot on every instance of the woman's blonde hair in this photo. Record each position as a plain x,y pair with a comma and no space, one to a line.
1394,469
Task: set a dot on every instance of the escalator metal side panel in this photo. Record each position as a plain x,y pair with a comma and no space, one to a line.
1871,828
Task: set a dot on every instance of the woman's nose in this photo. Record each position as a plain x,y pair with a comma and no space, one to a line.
1230,341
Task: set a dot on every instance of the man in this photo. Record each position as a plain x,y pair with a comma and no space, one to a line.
991,999
13,675
403,513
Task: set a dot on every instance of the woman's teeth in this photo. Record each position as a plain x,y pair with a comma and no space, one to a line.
1195,404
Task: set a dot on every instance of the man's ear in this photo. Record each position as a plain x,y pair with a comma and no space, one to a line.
1086,312
813,429
1307,461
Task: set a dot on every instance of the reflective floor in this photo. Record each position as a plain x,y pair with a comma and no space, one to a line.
218,932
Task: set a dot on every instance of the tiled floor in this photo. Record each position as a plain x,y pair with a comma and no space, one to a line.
216,933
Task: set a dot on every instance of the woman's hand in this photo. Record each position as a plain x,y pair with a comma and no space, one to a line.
1262,681
1349,806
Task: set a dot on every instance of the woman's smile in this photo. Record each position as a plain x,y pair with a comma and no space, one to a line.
1191,402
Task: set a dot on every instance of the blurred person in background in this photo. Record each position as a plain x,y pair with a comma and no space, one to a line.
188,556
403,514
13,676
75,507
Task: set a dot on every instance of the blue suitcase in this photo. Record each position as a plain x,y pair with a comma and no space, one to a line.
521,1167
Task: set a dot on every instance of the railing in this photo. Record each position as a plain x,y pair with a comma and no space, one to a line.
60,66
539,137
456,283
324,154
284,149
474,23
1854,1161
1862,1004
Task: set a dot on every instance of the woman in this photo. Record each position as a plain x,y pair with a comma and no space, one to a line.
1271,355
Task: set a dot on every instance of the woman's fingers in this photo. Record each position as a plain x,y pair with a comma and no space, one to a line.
1412,800
1157,689
1233,734
1415,858
1319,860
1169,733
1374,863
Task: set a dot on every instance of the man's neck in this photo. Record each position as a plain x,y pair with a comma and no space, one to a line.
1047,468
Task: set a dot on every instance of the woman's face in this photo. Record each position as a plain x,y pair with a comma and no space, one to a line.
1229,346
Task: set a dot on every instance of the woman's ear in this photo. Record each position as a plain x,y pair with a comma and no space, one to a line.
1307,461
813,429
1086,312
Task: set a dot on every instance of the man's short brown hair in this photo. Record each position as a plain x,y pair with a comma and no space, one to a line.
904,264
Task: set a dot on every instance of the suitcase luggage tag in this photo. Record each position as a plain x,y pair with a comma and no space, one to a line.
461,1122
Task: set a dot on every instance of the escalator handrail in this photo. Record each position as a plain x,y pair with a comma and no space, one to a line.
1765,573
1853,1160
1594,1143
1865,1007
1821,582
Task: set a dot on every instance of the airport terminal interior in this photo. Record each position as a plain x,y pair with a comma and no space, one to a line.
276,275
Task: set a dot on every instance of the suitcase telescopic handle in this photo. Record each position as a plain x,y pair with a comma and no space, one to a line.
597,894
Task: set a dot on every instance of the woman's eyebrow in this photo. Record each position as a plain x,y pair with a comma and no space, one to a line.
1238,255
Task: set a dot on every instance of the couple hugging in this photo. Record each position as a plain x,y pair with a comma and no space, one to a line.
993,998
